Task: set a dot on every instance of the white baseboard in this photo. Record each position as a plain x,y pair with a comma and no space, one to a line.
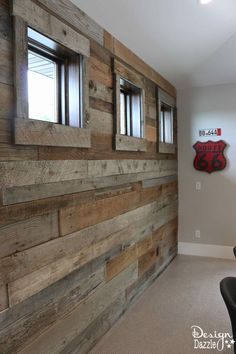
200,249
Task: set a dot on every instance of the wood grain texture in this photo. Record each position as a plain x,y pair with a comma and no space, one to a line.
130,143
73,16
50,26
34,132
3,297
21,67
27,234
65,331
84,231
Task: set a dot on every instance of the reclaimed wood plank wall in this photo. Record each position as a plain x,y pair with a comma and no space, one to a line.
83,232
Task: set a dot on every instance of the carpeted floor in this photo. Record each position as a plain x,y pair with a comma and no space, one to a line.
186,294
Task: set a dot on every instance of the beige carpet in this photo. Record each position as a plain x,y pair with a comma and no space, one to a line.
186,294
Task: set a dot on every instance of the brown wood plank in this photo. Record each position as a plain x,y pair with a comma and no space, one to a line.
119,263
6,101
50,26
74,219
24,211
29,233
98,104
108,41
73,16
15,153
100,91
55,340
6,61
3,297
101,72
34,132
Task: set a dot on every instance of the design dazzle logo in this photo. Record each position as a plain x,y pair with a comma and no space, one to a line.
215,340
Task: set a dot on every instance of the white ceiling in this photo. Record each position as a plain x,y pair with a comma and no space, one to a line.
184,41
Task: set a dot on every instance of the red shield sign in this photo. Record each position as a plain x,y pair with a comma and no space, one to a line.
210,156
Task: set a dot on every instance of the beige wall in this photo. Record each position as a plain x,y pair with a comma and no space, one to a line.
212,209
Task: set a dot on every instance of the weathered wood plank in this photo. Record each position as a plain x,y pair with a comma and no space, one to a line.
56,256
22,173
20,42
73,219
27,234
144,246
17,212
5,131
6,61
119,263
101,122
3,297
130,143
100,105
98,90
101,72
147,183
146,261
34,132
6,101
50,26
15,153
108,41
133,60
62,333
116,167
88,338
73,16
5,21
151,134
30,318
165,148
129,74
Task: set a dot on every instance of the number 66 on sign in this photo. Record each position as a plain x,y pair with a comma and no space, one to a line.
210,156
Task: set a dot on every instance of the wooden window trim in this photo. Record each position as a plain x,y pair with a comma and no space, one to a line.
163,97
35,132
124,142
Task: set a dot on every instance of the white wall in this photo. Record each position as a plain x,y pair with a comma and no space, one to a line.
213,209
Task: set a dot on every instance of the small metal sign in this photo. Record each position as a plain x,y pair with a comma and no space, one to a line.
210,132
210,156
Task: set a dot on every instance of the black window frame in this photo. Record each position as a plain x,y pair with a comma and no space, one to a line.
66,61
129,90
165,107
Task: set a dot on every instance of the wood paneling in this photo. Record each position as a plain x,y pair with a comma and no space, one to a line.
33,132
83,231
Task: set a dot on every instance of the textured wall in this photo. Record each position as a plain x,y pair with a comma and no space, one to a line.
82,231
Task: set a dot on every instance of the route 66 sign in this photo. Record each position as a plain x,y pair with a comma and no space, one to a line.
209,156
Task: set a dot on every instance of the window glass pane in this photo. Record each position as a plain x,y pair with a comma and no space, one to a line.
136,115
128,116
162,126
122,114
42,88
168,126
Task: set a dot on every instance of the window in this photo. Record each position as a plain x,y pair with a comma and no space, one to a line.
54,82
130,109
166,123
167,144
51,80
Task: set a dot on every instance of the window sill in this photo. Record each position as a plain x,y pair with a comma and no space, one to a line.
130,143
35,132
165,148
